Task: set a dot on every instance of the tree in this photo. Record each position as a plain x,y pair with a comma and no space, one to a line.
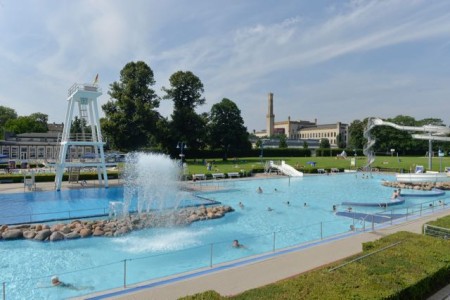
36,122
226,128
282,144
79,125
186,90
130,115
6,114
324,143
305,145
356,138
186,125
340,141
388,138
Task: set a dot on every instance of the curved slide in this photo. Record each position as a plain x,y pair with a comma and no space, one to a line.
286,169
426,132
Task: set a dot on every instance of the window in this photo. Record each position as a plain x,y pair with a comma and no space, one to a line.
14,152
40,152
49,152
33,152
5,150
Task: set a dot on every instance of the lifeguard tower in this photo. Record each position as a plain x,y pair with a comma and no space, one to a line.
84,98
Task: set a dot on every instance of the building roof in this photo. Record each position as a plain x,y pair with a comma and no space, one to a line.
324,126
52,134
304,123
55,127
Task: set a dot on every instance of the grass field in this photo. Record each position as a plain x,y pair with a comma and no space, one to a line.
387,163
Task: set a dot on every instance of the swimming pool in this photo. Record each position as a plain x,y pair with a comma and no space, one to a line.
48,206
153,253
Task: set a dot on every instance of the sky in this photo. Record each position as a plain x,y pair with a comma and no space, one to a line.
334,61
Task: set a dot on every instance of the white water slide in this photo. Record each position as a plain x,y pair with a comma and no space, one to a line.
286,169
426,132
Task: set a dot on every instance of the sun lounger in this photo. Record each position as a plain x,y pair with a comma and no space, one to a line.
334,170
233,174
321,171
199,176
218,175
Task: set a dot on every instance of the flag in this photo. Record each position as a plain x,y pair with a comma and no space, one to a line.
96,79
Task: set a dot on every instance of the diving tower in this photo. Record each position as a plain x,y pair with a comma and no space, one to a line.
426,132
82,97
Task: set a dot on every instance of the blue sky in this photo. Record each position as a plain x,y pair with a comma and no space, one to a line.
330,60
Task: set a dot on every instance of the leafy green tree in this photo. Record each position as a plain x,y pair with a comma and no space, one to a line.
324,143
130,114
258,143
6,114
80,125
391,138
186,90
430,121
282,139
226,128
305,145
356,138
186,125
36,122
340,141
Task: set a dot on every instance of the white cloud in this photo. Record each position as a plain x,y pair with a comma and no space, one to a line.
360,52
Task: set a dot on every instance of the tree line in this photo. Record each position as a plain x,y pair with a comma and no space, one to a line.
388,138
132,121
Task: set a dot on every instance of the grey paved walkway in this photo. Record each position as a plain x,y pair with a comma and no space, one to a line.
239,279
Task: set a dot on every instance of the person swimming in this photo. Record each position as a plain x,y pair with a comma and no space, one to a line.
58,283
394,195
259,190
236,244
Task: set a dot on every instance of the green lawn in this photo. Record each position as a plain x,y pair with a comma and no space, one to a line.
399,266
393,164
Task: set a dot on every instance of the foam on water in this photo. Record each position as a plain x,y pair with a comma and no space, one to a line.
162,241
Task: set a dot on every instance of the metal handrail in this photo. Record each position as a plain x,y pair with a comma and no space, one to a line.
271,235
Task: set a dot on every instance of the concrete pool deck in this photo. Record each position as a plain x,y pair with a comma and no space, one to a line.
239,277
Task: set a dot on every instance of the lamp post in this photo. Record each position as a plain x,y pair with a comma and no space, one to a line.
441,154
181,146
262,151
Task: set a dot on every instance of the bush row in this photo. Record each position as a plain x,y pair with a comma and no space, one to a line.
11,178
413,269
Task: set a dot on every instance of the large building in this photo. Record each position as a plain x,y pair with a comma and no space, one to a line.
38,146
304,130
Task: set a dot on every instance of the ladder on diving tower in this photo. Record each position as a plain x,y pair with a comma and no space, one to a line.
84,97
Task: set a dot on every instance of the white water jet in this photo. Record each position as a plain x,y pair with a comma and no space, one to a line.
152,180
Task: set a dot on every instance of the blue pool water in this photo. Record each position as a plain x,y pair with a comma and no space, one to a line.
52,205
153,253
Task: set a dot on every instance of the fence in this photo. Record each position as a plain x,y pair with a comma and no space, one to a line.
129,272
